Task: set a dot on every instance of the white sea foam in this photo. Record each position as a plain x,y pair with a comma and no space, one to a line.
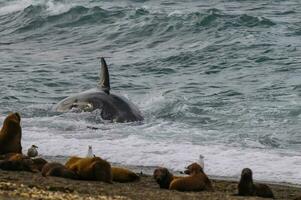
55,8
14,6
122,144
52,7
157,142
154,98
175,13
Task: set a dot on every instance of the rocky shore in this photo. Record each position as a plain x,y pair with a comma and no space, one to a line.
26,185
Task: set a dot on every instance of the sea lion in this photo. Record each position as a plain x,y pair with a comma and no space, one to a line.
36,163
123,175
163,177
90,168
72,160
246,187
10,134
6,156
113,107
32,151
59,170
18,165
196,181
17,156
39,163
21,162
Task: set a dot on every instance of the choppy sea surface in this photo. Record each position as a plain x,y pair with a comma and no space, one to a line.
211,77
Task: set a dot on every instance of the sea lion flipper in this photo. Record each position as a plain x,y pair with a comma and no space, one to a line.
104,81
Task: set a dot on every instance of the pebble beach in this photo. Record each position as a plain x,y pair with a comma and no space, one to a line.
27,186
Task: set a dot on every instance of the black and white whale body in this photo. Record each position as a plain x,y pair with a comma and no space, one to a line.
113,107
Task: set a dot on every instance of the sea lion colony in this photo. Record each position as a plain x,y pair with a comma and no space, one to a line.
98,169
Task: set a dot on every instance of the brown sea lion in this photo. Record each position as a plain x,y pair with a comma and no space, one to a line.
17,156
196,181
39,163
246,187
163,177
7,156
21,162
90,168
72,160
18,165
10,134
123,175
59,170
12,156
191,169
36,163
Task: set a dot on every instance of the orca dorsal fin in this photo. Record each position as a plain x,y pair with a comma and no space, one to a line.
104,79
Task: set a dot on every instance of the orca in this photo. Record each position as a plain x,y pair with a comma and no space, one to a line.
113,107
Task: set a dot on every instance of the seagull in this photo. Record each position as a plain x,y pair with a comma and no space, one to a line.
32,151
201,161
90,153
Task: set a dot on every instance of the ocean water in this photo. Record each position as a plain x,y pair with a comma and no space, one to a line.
211,77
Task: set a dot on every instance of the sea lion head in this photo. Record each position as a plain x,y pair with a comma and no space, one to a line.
163,177
18,117
193,168
246,174
160,174
12,122
12,119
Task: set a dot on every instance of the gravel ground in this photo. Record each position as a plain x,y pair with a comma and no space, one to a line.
25,185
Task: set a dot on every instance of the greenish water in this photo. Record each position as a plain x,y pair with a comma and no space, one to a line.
217,78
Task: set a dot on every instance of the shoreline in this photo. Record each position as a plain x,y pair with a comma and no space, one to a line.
148,171
286,184
27,185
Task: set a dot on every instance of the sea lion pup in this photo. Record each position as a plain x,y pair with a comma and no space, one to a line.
196,181
59,170
10,134
123,175
246,187
163,177
90,168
